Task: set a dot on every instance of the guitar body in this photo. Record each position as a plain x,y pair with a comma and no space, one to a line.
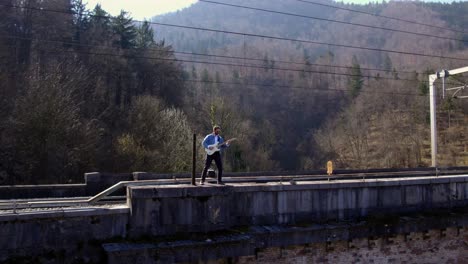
213,150
216,147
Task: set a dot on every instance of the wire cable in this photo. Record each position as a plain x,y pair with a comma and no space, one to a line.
334,21
387,17
281,86
208,55
215,63
305,88
262,36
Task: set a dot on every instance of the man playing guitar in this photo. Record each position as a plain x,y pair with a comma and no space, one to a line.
213,143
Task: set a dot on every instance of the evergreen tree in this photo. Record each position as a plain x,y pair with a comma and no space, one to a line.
80,19
395,74
266,62
356,80
126,32
194,73
205,77
145,36
387,63
100,17
307,67
99,31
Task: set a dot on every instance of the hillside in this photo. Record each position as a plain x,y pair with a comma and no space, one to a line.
208,15
308,112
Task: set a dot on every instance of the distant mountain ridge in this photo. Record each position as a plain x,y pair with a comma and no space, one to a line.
221,17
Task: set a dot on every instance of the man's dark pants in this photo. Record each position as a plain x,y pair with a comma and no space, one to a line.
217,158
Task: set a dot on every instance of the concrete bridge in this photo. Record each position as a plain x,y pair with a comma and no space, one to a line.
421,219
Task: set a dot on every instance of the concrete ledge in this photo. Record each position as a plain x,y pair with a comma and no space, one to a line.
170,209
62,213
42,191
96,182
189,190
337,172
161,191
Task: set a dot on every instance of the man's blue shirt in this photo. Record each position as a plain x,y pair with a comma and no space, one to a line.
210,140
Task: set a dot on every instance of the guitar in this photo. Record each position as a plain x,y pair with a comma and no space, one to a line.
217,147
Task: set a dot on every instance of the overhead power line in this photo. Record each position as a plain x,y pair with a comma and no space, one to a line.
304,88
243,84
113,54
334,21
310,41
71,43
262,36
383,16
213,63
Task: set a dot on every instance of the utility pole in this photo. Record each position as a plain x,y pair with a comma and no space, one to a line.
432,98
194,158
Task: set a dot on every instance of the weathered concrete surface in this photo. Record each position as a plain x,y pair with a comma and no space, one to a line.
190,223
41,191
433,246
382,238
60,235
95,182
168,210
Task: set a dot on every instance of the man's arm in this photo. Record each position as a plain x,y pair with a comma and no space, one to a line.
205,141
225,145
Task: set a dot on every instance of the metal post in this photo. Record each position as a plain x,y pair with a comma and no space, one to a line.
194,158
432,102
432,95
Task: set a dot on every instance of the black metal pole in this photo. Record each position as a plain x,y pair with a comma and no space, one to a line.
194,158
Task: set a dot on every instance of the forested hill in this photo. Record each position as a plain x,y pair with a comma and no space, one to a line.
82,90
374,122
321,29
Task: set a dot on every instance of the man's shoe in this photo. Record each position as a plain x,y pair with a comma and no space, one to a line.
221,183
202,182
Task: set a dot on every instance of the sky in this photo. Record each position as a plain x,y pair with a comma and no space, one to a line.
141,9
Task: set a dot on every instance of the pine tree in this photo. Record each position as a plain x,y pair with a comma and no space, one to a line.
126,32
100,17
356,81
388,65
80,19
145,36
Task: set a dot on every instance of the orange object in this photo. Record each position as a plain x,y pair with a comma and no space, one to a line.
329,167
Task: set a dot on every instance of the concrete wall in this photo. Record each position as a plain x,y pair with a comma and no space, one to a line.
168,210
59,235
185,223
416,239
